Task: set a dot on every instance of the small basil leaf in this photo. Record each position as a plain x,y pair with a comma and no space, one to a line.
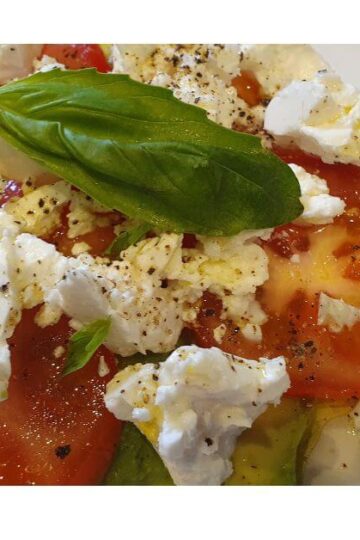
84,343
126,239
137,149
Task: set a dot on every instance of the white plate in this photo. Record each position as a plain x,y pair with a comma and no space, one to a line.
344,59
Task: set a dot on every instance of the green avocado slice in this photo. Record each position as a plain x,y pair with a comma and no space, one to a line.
136,462
266,454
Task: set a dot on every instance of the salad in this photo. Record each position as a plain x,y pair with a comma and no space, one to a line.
179,266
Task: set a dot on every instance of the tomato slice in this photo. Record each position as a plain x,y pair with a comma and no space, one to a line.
54,430
322,364
248,87
79,56
11,189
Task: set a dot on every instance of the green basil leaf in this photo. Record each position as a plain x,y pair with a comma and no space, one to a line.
84,343
136,462
126,239
137,149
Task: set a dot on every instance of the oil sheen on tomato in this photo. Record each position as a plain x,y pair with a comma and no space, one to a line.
321,363
54,430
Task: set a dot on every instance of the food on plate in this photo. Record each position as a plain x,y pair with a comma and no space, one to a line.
179,266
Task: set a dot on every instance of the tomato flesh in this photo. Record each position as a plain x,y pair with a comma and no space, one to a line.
248,87
54,429
321,364
79,56
11,189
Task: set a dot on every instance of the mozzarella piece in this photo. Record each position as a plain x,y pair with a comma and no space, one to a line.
336,314
320,116
198,401
320,207
276,66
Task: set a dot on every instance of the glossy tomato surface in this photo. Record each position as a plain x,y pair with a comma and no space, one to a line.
321,363
79,56
54,429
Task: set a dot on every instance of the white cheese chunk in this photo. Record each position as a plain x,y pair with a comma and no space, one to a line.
200,400
5,369
276,66
38,211
320,207
320,116
197,74
148,294
336,314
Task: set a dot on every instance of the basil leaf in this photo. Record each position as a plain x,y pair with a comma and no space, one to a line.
136,462
84,343
137,149
126,239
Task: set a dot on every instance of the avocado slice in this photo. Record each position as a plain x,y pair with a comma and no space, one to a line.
136,462
268,453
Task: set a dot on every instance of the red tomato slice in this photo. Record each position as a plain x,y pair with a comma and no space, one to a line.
322,364
79,56
11,189
54,430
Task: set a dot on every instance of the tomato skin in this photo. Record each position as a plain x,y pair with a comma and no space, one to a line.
248,87
54,430
288,240
343,180
321,364
12,189
78,56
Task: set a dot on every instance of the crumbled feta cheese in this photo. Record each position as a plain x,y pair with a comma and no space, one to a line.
233,268
219,333
295,258
198,402
276,66
47,63
145,314
85,215
336,314
59,351
252,332
5,369
202,74
320,207
103,368
320,116
197,74
80,247
38,211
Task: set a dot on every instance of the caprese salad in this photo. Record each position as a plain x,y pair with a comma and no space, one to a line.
179,266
